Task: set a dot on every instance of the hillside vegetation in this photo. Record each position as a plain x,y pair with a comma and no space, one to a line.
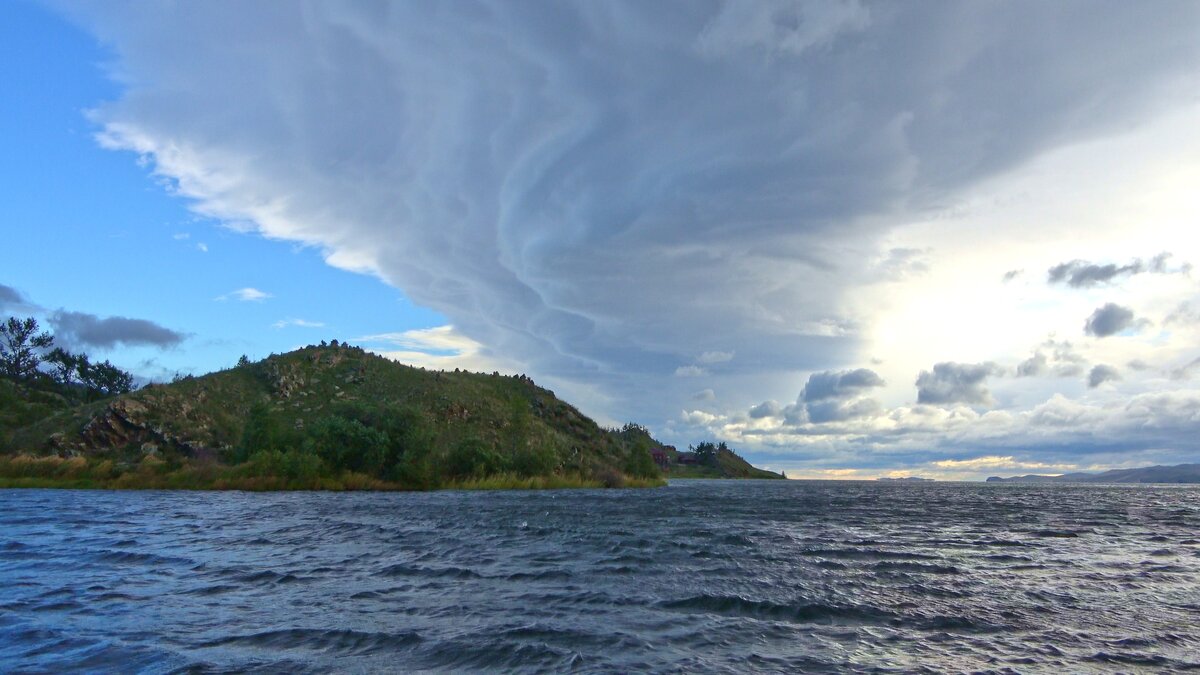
714,461
322,417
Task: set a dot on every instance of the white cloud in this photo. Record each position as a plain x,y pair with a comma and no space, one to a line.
998,462
438,348
298,323
689,371
715,357
245,295
202,247
698,417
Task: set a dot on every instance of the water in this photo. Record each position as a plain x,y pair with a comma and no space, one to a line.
700,576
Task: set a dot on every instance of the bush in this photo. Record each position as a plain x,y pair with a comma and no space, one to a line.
297,464
261,432
349,445
472,458
300,464
611,478
640,463
536,460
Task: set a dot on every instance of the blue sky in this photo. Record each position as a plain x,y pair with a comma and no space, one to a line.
93,230
849,238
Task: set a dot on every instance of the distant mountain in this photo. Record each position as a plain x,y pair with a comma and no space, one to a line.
906,479
1181,473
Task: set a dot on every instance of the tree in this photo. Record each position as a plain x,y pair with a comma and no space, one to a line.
106,379
706,453
67,368
20,347
349,445
261,432
243,361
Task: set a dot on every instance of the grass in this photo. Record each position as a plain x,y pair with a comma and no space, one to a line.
78,473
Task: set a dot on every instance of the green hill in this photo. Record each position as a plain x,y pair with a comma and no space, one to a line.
327,417
708,460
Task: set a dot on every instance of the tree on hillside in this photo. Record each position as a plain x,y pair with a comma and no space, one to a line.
65,367
705,451
107,379
20,347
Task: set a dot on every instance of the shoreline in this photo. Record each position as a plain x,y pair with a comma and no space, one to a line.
78,473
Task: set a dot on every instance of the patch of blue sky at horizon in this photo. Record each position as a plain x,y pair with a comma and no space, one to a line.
94,231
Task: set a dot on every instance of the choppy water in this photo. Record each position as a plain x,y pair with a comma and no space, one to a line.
699,576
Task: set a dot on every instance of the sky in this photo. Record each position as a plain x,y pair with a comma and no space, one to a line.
851,239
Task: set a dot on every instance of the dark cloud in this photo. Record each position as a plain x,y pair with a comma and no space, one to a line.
12,300
606,187
1138,365
839,384
1083,274
765,409
1032,366
1109,320
829,396
1011,274
78,330
951,382
1101,374
1080,274
821,412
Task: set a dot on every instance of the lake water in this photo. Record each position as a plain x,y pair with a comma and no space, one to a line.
712,576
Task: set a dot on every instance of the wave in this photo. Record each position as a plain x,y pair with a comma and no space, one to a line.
349,642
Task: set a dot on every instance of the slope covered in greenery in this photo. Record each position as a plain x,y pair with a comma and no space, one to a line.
328,417
715,461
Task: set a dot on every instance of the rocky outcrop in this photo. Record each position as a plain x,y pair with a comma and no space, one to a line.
124,424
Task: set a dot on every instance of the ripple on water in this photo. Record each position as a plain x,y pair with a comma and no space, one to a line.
700,576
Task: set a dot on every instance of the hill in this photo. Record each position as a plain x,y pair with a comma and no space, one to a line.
708,460
1180,473
326,417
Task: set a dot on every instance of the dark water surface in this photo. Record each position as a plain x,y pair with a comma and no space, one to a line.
699,576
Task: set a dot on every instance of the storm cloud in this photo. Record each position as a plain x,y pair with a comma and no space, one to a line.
593,190
951,382
1109,320
79,330
839,384
1083,274
1101,374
